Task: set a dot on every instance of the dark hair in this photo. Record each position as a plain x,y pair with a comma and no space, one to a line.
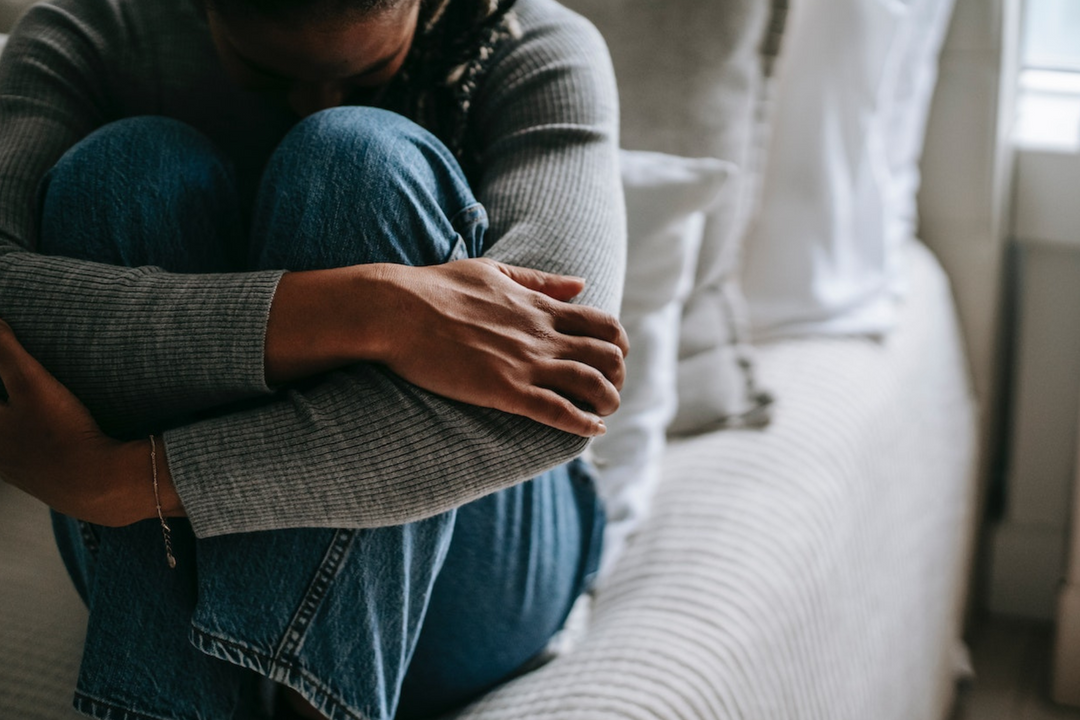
455,44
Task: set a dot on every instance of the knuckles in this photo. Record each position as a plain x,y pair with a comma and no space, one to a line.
606,327
615,334
595,390
564,415
614,366
607,398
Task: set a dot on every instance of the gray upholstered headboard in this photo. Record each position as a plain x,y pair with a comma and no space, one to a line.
967,171
966,191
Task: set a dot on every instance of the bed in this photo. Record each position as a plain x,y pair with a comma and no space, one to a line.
815,569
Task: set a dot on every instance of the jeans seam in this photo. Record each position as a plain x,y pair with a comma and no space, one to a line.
89,705
583,477
89,536
332,561
283,663
274,668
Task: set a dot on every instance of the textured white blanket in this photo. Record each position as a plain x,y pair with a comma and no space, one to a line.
812,570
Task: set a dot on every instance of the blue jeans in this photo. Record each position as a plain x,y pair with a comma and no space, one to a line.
406,622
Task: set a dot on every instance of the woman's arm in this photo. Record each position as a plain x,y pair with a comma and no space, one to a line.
136,345
362,447
141,346
551,185
477,331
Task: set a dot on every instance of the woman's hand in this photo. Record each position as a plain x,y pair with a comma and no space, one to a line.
51,448
476,330
505,337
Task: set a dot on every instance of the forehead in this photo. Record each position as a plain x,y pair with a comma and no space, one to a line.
321,46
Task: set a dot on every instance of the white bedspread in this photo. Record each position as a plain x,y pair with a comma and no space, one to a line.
812,570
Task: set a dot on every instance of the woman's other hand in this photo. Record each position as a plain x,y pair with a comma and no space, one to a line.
476,331
51,447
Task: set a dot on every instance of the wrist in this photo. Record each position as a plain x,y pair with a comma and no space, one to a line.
325,319
117,496
127,486
369,307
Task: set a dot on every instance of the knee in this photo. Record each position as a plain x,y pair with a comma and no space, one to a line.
363,142
141,152
133,179
351,123
337,153
372,176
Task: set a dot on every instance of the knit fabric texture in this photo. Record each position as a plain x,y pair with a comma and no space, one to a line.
141,347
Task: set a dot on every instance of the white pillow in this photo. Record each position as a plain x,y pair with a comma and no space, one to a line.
917,72
854,84
702,96
665,199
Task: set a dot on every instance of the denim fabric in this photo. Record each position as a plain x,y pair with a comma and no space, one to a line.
430,614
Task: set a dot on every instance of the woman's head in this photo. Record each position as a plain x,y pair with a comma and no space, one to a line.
313,54
305,11
425,59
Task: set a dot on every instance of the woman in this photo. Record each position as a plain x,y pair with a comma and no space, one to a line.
375,385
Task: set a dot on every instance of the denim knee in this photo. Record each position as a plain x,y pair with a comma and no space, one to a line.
352,185
142,191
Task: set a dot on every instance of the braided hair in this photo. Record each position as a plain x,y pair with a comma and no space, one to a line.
455,45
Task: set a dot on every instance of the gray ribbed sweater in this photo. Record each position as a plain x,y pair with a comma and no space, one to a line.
360,447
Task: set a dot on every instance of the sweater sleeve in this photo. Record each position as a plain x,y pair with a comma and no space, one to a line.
136,345
363,448
551,184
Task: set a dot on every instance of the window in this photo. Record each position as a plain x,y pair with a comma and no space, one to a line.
1052,35
1049,108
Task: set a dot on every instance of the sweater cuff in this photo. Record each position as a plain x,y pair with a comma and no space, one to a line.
221,335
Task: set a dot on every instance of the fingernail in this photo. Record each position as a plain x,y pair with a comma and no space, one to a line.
601,428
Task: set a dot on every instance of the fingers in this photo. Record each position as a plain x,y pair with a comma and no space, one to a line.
550,408
604,356
21,374
557,287
570,319
589,322
583,384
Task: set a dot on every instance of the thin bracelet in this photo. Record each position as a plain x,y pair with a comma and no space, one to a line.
166,531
